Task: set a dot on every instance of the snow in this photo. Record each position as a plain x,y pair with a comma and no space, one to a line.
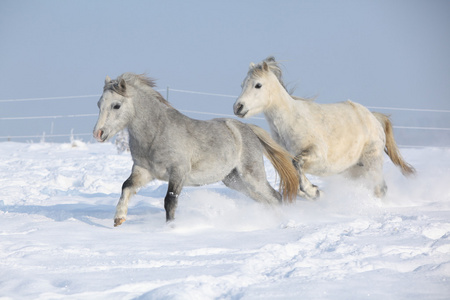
57,239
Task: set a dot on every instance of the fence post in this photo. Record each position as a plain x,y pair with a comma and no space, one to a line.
167,94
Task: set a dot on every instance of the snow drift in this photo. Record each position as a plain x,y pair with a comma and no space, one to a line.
57,204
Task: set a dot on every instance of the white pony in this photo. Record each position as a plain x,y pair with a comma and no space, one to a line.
325,139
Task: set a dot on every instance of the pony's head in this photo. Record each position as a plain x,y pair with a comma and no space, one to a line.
116,108
258,87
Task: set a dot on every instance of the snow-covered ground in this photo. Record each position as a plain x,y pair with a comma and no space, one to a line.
57,239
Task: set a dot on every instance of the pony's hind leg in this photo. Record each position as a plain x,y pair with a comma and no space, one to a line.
138,178
173,191
381,189
374,173
375,176
177,177
370,169
255,187
375,180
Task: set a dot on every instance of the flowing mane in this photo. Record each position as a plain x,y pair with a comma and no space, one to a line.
258,69
137,80
274,67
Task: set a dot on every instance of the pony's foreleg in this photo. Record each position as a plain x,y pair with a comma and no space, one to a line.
138,178
307,189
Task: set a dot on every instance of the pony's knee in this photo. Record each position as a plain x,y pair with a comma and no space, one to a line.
138,178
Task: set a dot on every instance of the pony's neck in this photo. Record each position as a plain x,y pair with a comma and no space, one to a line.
283,113
147,121
281,103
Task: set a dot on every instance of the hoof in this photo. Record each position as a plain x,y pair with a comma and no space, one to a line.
312,194
319,194
380,191
171,223
118,221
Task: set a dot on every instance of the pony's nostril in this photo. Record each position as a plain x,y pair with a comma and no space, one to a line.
99,134
239,109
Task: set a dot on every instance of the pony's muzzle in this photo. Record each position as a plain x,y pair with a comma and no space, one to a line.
238,107
98,135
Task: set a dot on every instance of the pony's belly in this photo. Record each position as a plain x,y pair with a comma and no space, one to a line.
210,176
320,171
325,168
325,171
196,177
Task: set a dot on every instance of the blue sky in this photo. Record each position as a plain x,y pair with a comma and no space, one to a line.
378,53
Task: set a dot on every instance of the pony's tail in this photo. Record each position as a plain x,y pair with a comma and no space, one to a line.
391,148
282,161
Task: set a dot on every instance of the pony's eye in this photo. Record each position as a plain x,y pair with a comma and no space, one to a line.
116,106
258,86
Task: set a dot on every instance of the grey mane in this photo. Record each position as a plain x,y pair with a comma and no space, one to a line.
275,68
136,80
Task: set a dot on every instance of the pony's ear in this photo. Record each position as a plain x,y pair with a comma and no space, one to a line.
252,65
107,79
265,66
122,85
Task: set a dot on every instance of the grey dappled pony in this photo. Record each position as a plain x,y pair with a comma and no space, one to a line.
326,139
170,146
